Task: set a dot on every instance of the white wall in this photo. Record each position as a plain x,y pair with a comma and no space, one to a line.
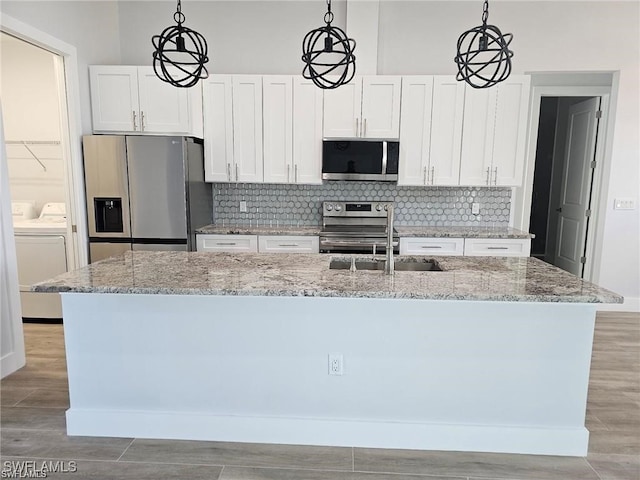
242,36
414,37
91,27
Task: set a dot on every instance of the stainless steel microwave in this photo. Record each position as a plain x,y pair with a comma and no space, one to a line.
372,160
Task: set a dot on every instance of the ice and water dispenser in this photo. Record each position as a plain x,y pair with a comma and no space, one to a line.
108,215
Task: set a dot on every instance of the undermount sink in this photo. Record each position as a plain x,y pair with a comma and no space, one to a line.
401,264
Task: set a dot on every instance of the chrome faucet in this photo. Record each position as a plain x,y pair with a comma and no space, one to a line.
389,266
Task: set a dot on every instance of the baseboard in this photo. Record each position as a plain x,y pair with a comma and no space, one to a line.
334,432
631,304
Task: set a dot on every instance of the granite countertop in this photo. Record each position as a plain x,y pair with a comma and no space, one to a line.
259,230
464,232
509,279
423,231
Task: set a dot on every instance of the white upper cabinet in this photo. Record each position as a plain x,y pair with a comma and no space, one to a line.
132,99
493,142
511,130
247,128
367,107
277,114
307,131
114,98
446,130
218,126
415,131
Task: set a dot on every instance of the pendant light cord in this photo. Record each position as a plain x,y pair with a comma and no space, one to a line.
485,14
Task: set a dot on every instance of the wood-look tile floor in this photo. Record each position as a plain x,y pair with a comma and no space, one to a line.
34,399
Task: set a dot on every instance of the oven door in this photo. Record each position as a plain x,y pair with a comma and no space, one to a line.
360,245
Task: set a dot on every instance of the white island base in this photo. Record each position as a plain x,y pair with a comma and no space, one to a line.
418,374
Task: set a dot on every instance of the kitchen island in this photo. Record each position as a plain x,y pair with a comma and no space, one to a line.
490,354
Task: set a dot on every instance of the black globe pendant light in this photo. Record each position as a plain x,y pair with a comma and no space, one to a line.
328,55
484,58
182,48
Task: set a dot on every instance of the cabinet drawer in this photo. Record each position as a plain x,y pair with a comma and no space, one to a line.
227,243
499,247
288,244
431,246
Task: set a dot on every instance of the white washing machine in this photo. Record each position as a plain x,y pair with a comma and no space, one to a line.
41,248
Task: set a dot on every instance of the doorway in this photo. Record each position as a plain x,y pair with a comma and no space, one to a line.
565,163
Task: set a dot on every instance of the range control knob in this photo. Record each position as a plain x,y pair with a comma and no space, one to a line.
386,207
338,208
328,207
379,207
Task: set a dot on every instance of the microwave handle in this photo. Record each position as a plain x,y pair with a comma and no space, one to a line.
384,158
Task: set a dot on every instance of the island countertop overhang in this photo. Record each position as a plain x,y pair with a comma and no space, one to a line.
192,273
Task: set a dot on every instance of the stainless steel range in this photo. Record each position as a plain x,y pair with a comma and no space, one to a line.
355,227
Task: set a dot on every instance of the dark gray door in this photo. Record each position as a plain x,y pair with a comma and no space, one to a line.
157,187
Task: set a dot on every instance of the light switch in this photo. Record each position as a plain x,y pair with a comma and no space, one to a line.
624,204
243,206
475,208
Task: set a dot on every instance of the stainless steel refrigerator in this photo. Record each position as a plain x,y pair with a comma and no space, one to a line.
144,193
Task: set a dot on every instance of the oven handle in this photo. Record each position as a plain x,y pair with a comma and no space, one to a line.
356,243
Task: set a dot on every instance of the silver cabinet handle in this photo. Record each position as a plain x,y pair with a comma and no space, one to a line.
229,171
135,127
288,245
425,175
236,172
141,121
488,170
288,173
225,244
433,174
497,248
295,171
357,127
495,178
364,128
431,246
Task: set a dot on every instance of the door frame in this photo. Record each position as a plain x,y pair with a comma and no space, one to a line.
70,131
522,198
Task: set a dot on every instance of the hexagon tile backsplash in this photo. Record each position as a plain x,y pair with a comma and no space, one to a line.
283,204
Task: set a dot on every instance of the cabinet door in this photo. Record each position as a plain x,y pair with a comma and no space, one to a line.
510,130
307,131
381,106
478,136
277,117
218,128
114,98
446,130
497,247
288,244
415,130
431,246
342,110
163,107
247,128
226,243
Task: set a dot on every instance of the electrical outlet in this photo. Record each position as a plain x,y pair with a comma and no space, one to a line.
624,204
336,364
475,208
243,206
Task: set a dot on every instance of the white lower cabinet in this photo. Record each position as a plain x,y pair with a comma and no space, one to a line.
499,247
257,243
288,244
431,246
227,243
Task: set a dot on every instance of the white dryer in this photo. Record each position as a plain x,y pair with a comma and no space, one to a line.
41,248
